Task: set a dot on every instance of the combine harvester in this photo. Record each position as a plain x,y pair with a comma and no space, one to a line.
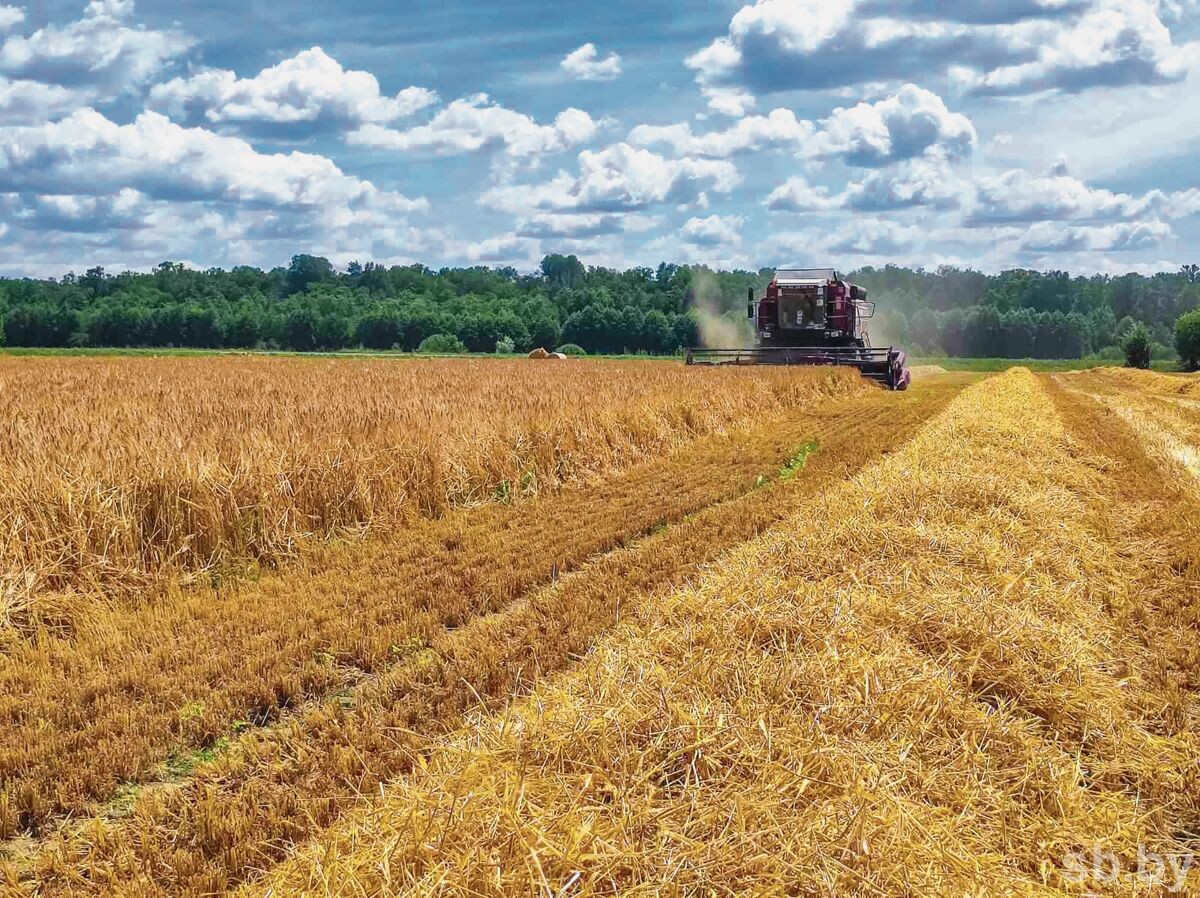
810,316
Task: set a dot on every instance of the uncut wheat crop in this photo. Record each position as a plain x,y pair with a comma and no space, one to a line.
116,471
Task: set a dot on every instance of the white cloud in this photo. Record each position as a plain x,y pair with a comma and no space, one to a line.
100,53
24,102
1014,197
730,101
308,92
780,128
902,126
873,237
1118,42
918,182
1006,46
503,249
130,230
865,239
796,194
122,210
579,225
585,63
1018,196
1056,237
89,155
620,178
909,123
713,231
11,15
475,124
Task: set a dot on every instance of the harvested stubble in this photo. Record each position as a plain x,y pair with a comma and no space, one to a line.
926,370
1159,407
1156,512
238,814
1153,381
115,470
931,685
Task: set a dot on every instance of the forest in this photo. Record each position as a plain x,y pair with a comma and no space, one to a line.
312,306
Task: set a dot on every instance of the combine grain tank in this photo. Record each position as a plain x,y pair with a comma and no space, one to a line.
810,316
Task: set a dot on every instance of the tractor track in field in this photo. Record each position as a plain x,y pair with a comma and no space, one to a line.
517,592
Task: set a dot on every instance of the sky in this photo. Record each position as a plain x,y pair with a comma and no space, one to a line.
1049,134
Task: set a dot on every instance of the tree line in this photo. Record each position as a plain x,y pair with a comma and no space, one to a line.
312,306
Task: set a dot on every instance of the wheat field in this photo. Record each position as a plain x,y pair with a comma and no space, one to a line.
933,684
651,630
116,471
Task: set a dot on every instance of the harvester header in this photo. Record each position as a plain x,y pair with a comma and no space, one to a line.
810,316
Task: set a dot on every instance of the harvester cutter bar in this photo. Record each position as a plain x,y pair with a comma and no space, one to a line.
885,365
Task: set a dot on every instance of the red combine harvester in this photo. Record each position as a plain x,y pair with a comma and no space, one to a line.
810,316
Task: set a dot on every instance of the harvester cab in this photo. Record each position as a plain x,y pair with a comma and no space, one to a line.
810,316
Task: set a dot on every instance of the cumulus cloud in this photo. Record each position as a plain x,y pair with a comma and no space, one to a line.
475,124
902,126
873,237
10,15
730,101
581,225
1010,198
585,64
866,239
122,210
86,154
1018,196
909,123
1115,44
1001,47
503,249
24,102
712,231
307,93
796,194
1056,237
780,129
919,182
620,178
128,229
100,53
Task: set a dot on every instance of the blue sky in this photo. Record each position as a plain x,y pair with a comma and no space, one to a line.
1044,133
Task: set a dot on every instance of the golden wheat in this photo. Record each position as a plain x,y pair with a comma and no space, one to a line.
934,683
114,470
236,814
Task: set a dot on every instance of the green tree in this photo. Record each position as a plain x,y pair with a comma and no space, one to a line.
332,332
1187,339
442,343
379,330
562,272
300,330
1137,347
242,330
926,330
307,270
